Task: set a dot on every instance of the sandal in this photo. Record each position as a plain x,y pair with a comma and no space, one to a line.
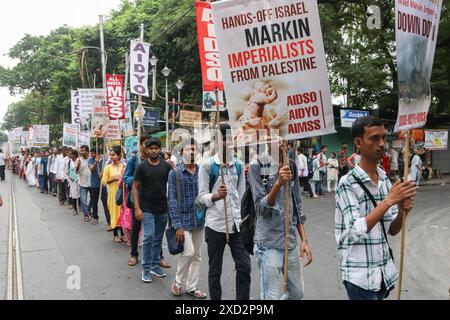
95,221
132,261
124,239
197,294
117,239
176,289
164,264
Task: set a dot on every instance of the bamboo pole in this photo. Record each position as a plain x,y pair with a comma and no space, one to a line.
286,221
402,250
139,118
216,91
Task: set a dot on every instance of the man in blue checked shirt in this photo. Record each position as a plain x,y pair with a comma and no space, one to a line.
183,191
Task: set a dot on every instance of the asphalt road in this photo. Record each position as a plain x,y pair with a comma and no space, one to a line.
57,247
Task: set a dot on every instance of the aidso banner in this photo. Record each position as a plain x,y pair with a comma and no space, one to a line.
115,98
436,140
274,68
41,136
417,24
209,56
70,135
139,57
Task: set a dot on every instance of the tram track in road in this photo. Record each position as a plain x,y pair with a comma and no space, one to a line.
14,288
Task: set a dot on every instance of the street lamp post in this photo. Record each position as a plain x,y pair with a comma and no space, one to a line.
166,72
180,85
153,62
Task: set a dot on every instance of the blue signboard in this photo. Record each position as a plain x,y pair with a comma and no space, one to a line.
349,116
151,119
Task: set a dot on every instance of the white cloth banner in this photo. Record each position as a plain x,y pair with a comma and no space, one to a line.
70,135
436,140
139,57
86,107
41,136
274,68
417,24
100,117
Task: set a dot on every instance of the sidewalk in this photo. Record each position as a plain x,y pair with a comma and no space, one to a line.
433,182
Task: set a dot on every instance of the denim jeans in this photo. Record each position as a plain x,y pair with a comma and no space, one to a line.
322,175
357,293
271,267
43,183
84,200
154,226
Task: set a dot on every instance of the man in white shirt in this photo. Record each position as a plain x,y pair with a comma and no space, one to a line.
84,179
322,169
61,176
416,166
303,172
51,169
211,195
2,165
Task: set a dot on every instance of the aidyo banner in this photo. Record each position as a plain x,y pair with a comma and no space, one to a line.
139,57
274,68
417,24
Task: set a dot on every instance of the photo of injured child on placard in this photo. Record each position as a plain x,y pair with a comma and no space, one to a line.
262,111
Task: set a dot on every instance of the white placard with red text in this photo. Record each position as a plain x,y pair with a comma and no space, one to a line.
274,68
115,98
417,24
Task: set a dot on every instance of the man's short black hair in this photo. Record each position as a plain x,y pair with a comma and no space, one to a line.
85,147
323,147
153,142
300,149
344,143
359,125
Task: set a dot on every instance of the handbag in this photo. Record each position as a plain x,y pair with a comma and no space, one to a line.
173,245
119,196
372,199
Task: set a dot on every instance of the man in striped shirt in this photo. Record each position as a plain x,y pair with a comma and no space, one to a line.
367,266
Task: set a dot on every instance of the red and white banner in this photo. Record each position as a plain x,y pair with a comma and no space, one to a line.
274,68
417,24
115,97
207,44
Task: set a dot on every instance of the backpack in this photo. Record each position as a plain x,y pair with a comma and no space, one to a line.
214,173
248,212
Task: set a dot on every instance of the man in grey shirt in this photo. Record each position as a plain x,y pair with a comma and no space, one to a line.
267,182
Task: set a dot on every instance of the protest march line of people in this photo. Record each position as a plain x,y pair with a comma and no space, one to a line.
146,191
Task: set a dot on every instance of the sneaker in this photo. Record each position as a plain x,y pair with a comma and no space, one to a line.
146,277
158,272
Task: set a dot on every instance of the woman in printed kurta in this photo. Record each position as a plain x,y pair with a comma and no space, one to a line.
110,178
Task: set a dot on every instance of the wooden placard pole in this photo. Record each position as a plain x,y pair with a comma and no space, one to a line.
216,91
402,250
286,221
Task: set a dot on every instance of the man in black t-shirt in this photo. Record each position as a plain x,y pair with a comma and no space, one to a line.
150,204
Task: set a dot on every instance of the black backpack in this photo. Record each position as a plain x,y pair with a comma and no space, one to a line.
248,212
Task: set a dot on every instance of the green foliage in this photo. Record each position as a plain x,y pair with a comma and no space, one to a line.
361,62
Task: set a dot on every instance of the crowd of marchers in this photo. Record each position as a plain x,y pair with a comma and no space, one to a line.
148,192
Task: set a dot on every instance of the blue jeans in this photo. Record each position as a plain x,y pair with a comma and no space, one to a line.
357,293
154,226
43,184
319,186
84,200
271,266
